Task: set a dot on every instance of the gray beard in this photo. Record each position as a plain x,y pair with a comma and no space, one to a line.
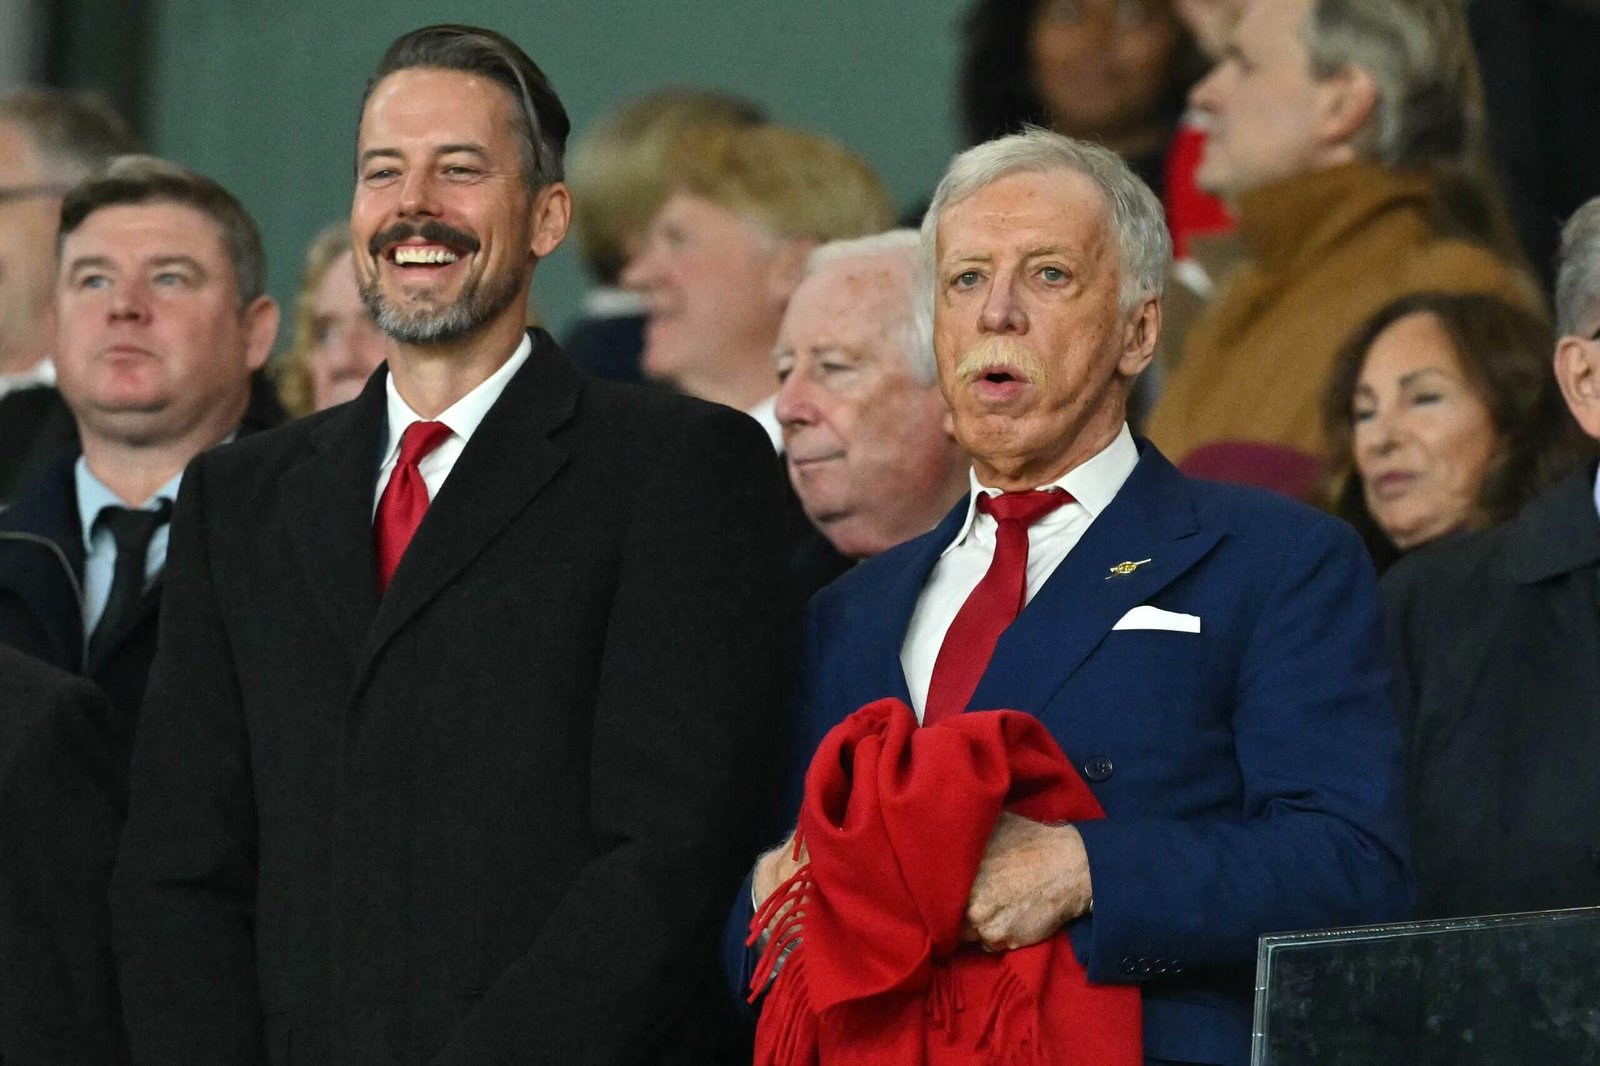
469,313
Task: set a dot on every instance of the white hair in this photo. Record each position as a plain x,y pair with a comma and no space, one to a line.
1143,243
913,330
1578,277
1419,55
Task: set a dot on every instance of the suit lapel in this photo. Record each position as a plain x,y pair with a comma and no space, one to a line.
503,467
1152,517
328,500
886,617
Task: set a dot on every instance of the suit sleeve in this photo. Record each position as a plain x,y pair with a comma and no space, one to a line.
739,961
183,894
1320,838
58,836
686,743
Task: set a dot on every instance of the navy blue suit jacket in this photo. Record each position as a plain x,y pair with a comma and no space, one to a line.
1249,773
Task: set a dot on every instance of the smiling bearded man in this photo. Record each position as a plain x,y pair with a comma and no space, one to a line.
457,736
1206,656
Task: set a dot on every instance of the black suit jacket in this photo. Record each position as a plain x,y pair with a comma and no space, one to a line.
41,587
59,817
1495,639
491,817
35,427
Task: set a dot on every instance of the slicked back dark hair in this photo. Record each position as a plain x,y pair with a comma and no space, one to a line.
144,179
538,117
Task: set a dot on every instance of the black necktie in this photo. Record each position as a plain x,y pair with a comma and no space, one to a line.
131,530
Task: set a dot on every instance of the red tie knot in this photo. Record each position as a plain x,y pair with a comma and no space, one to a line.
420,439
1024,507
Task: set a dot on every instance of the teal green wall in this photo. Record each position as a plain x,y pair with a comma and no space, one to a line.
263,96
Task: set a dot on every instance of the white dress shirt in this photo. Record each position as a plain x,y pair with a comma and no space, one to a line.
962,565
766,413
43,373
462,417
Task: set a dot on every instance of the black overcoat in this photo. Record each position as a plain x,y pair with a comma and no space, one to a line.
493,817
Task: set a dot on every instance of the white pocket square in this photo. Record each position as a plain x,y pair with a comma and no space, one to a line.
1147,617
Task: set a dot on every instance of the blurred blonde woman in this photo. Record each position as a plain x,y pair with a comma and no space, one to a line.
336,344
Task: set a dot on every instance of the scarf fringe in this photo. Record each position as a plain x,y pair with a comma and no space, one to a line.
787,1011
944,1000
1010,1030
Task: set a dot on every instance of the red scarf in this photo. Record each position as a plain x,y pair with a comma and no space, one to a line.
895,819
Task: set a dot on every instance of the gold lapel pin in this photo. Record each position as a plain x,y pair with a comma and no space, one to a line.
1124,569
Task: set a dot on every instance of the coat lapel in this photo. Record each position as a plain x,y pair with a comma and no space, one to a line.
503,467
328,501
1153,518
885,617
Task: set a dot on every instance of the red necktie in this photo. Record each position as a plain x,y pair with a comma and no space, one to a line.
994,603
405,498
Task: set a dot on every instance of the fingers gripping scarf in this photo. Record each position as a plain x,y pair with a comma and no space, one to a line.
895,819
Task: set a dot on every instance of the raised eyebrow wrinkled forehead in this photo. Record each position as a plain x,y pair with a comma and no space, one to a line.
1031,253
455,148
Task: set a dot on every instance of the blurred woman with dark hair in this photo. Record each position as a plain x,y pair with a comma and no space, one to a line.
1442,414
1111,71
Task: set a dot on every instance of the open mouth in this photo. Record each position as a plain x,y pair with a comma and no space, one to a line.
422,255
1001,376
430,246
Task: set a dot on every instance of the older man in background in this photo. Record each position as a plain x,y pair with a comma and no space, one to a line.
1496,647
620,172
49,141
866,431
728,247
1331,123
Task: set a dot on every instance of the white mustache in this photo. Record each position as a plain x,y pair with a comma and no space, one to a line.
1002,353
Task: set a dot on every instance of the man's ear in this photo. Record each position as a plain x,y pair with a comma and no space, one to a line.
1577,366
1139,340
1346,102
260,330
549,218
788,267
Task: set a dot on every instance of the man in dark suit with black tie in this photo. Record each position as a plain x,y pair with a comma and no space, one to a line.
1495,639
467,689
162,319
59,816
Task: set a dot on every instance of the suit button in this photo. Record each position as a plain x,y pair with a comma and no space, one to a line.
1098,768
1128,965
1145,968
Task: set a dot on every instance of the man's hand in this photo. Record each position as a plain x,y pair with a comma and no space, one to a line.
1034,878
776,867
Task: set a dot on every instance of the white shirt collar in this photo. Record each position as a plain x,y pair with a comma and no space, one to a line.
1092,483
42,373
95,495
462,416
766,412
605,301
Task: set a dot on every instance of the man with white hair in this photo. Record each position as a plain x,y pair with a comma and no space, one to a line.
1331,125
1496,649
1206,656
865,430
